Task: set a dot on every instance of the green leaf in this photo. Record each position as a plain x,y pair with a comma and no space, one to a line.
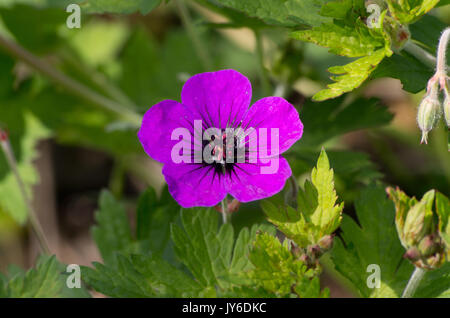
411,72
47,280
85,42
112,233
348,36
443,212
278,271
317,214
327,214
151,72
140,276
35,29
373,240
24,133
333,118
287,13
154,216
350,76
341,39
216,261
408,11
436,283
427,31
120,6
38,3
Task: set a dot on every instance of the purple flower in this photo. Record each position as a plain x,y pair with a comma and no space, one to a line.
243,148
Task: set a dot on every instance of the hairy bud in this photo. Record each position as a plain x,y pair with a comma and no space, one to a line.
326,242
427,115
447,106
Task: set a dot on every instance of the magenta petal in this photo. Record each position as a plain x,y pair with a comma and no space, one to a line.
194,184
274,112
221,97
157,126
248,184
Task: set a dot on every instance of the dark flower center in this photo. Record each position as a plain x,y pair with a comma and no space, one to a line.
224,152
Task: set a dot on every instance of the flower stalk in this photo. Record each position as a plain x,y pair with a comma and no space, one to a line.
431,108
198,44
225,213
68,83
34,222
413,282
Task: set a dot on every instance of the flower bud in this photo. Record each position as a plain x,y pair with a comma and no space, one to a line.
418,222
447,107
428,114
326,242
412,254
429,245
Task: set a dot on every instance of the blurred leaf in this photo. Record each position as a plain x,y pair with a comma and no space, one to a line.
35,29
47,280
24,133
329,119
443,212
112,233
152,73
39,3
287,13
93,51
120,6
373,240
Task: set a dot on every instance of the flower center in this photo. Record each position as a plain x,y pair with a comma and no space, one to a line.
226,150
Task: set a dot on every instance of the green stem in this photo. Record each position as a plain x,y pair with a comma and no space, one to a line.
201,50
413,282
262,70
68,83
225,214
117,178
421,54
34,222
99,80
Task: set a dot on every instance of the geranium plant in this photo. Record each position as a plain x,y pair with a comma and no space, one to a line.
238,168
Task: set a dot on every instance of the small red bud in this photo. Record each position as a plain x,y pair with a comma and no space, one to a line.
3,135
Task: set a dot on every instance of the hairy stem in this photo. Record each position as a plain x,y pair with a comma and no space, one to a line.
225,214
34,222
68,83
413,282
442,48
202,53
421,54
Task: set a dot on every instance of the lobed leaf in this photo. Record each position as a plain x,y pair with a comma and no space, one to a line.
47,280
373,241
